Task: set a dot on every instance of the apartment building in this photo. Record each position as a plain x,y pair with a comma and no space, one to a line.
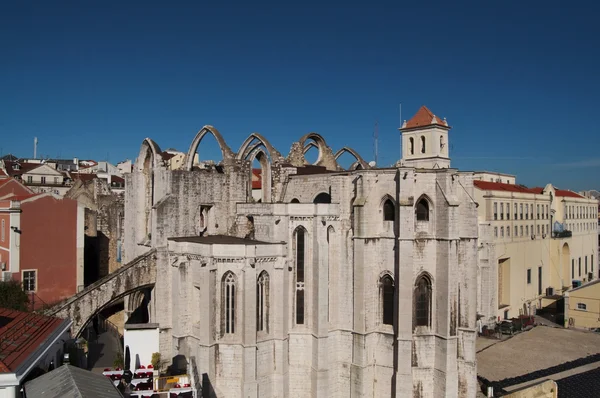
535,244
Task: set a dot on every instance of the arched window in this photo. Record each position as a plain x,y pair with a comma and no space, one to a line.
322,198
441,142
422,144
389,210
228,306
294,201
386,298
262,302
422,210
422,300
412,145
300,257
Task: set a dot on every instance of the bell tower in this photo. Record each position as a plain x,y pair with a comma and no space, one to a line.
425,141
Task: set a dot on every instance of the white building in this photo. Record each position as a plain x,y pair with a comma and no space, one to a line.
339,283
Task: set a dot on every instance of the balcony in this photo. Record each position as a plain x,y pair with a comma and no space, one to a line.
561,234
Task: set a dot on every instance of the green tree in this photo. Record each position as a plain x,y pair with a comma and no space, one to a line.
13,297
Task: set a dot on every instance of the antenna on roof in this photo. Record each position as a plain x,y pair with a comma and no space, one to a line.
400,127
375,139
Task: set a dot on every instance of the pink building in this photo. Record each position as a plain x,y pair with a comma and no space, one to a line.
41,243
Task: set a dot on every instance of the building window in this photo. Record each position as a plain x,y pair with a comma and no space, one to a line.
529,276
582,306
516,231
508,211
423,210
508,231
527,230
573,268
43,180
515,211
502,232
586,268
495,211
389,210
386,297
502,211
422,144
538,212
526,211
300,256
228,291
496,232
262,302
580,267
543,230
521,230
423,301
323,197
538,229
29,179
55,180
546,211
2,231
412,145
539,280
521,210
294,201
29,281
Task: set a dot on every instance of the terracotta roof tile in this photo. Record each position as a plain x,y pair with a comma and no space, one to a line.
424,117
3,174
500,186
560,192
21,334
23,168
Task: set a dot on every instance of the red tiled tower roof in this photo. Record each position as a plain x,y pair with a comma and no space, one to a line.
424,117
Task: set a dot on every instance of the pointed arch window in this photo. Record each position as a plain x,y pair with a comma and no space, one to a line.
422,210
389,210
386,298
262,302
422,298
228,288
294,201
422,144
412,145
300,262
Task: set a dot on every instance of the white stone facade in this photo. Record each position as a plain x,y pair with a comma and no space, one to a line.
340,283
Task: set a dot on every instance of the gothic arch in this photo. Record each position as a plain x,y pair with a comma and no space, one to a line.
225,150
388,207
352,152
423,300
149,149
258,152
422,203
246,149
318,140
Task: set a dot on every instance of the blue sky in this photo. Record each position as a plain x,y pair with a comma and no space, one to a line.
517,81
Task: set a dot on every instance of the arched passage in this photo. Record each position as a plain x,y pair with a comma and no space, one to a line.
225,150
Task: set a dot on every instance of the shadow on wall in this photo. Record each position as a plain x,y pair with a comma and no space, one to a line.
95,258
207,389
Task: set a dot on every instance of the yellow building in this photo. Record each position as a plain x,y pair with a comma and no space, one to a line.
534,245
582,306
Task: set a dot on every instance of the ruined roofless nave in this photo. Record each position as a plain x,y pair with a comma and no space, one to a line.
335,283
